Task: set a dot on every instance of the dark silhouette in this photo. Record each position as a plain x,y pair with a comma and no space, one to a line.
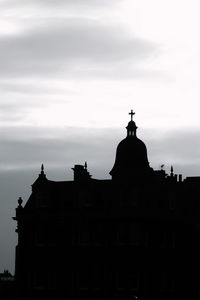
133,237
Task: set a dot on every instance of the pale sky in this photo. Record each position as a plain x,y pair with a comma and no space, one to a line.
71,70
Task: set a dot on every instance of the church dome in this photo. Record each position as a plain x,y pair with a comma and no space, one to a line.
131,156
132,151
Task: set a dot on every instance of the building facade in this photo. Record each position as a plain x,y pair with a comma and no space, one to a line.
135,234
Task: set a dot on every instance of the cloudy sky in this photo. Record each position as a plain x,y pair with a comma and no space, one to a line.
71,70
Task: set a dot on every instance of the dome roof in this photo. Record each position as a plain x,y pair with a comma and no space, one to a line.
131,156
132,150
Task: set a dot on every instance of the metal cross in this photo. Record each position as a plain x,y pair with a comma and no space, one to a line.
131,113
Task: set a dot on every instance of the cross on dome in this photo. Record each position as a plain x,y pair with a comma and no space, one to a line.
132,114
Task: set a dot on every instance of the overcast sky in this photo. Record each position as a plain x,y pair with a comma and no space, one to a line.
71,70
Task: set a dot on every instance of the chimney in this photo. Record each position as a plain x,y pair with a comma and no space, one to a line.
81,173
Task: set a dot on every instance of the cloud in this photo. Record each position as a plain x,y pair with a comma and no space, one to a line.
179,148
33,87
23,100
58,3
27,148
71,47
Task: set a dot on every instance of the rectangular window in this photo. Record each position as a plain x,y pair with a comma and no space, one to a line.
146,239
85,199
127,280
42,198
134,197
122,236
163,240
167,281
98,234
40,237
85,235
97,277
168,239
134,234
172,201
83,279
172,239
39,279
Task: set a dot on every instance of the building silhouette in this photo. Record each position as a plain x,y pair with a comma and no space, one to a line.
136,234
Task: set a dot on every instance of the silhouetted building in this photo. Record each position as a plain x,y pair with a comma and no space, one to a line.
6,276
136,234
7,285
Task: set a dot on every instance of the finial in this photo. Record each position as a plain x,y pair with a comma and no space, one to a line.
172,171
161,167
42,169
20,201
86,165
42,175
132,114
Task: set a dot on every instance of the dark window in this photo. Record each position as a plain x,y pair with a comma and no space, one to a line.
127,280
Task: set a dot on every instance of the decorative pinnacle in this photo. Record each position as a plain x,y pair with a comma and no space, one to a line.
42,169
42,175
132,114
172,170
20,201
